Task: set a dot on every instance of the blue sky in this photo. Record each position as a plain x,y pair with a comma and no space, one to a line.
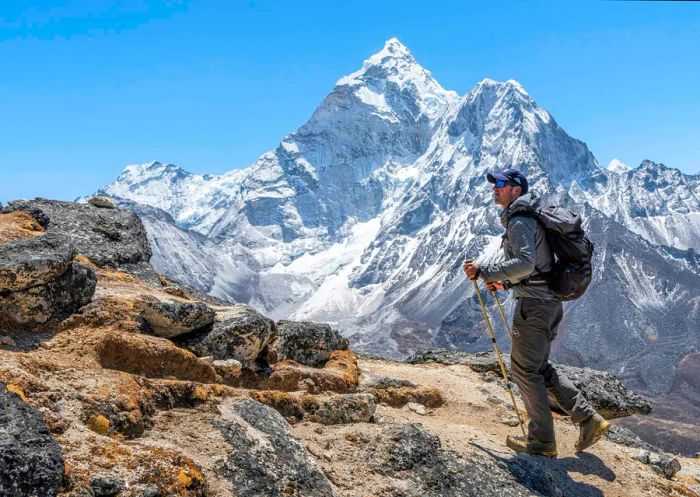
90,86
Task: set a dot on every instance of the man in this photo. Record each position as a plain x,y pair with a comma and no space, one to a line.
535,320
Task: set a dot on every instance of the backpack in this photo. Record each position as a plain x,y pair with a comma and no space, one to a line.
571,249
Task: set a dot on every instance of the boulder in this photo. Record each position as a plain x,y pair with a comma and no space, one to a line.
171,319
30,460
660,462
604,391
102,202
265,460
50,302
347,408
306,342
479,361
33,262
239,333
114,238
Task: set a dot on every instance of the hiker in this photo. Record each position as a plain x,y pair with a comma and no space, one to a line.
535,320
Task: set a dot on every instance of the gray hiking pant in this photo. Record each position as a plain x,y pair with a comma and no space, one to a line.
535,323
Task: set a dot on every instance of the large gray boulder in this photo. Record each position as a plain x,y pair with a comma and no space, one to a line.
34,261
239,333
171,319
30,460
114,238
604,391
306,342
51,302
265,460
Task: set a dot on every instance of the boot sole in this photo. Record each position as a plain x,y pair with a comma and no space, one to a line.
600,431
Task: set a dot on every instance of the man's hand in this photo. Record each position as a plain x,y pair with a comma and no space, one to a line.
493,286
472,269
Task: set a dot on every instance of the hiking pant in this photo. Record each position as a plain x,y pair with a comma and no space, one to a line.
535,323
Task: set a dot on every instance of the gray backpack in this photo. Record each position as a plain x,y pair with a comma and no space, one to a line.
571,249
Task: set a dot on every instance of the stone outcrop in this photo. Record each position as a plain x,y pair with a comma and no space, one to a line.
40,282
332,410
306,342
171,319
663,464
30,460
603,390
266,460
102,202
239,333
114,238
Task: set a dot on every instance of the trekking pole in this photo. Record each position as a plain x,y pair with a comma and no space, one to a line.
503,314
498,354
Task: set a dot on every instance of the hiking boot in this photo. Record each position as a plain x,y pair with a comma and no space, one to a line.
531,446
590,432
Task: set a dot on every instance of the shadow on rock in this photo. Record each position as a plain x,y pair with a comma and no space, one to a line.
551,477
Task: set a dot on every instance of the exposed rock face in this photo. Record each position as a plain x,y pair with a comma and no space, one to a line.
33,262
307,343
266,461
603,390
112,238
348,408
663,464
30,460
408,452
477,361
241,334
39,282
606,393
170,319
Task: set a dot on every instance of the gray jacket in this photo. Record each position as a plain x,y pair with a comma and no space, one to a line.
525,248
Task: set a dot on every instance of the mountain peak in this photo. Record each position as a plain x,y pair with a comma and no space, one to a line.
619,167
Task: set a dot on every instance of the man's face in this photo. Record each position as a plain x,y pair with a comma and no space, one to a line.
504,195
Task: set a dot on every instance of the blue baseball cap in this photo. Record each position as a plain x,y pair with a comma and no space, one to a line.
512,176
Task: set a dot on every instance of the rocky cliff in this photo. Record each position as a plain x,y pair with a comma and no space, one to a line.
117,382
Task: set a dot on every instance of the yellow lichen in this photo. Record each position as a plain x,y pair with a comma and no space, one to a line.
199,393
99,424
189,477
18,390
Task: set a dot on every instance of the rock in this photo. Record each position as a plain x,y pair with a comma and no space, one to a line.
241,334
102,202
386,382
510,420
340,374
407,452
228,369
306,342
54,301
34,261
605,392
30,460
398,392
152,357
104,486
265,460
348,408
171,319
660,462
417,408
479,361
114,238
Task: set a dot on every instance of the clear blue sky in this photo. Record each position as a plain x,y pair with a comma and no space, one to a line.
92,85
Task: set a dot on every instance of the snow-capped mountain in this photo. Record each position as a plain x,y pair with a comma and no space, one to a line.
617,166
363,216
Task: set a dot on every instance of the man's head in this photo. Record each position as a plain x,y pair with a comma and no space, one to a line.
508,185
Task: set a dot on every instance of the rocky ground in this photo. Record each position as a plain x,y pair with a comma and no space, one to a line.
115,381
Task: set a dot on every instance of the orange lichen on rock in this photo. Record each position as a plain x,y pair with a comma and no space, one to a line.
152,357
287,404
17,390
399,397
99,424
18,225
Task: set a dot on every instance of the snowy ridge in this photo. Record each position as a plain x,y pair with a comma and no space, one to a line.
362,218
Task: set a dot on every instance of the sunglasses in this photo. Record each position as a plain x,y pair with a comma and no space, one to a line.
501,182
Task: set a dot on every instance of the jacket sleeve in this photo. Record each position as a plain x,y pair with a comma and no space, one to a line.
521,237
